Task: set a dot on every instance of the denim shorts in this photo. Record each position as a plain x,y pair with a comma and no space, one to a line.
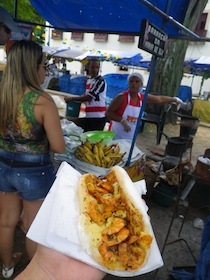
30,175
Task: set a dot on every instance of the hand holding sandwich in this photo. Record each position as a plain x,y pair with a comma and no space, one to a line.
50,264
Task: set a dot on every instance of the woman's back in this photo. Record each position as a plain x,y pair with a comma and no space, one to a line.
29,120
29,135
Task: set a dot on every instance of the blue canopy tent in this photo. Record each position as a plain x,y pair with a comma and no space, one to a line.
129,61
113,16
195,66
202,63
134,61
118,17
116,83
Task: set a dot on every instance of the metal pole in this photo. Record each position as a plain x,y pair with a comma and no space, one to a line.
15,9
154,60
168,18
138,124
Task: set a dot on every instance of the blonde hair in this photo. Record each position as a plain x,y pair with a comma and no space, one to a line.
21,71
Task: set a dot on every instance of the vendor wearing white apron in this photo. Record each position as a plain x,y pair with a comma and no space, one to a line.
129,114
123,112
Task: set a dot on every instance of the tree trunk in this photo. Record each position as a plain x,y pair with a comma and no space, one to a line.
169,70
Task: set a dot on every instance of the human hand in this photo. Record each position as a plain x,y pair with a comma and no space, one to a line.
126,126
179,103
67,99
50,264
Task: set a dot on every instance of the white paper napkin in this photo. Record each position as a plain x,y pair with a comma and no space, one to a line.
56,224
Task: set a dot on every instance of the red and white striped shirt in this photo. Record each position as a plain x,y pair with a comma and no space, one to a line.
96,88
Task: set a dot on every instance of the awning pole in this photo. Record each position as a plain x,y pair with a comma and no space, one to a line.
168,18
139,122
15,9
152,71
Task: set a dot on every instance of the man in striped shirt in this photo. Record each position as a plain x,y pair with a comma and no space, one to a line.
94,98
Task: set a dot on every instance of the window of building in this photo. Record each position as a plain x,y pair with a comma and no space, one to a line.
77,36
126,38
200,28
101,37
57,34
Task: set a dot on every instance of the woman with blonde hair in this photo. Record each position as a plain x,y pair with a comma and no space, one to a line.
29,131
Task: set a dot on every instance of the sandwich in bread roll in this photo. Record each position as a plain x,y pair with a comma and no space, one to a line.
113,225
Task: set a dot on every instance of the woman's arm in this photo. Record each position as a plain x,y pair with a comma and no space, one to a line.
163,99
112,114
82,98
114,106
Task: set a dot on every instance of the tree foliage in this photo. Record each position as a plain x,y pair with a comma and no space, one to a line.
27,13
169,70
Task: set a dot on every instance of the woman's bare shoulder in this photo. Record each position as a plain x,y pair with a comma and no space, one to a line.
46,95
119,97
116,102
45,98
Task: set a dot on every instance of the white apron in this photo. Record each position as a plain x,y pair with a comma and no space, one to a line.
131,115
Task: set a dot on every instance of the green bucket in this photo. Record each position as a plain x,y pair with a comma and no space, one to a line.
72,108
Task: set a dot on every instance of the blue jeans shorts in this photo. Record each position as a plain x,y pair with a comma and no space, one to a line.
30,175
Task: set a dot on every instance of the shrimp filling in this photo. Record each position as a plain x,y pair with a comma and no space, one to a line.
123,237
